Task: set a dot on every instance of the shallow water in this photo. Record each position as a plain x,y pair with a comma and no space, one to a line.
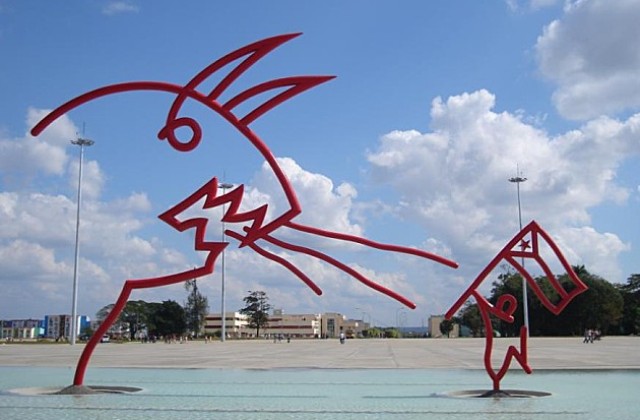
317,394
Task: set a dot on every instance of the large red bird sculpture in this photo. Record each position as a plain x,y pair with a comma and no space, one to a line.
256,231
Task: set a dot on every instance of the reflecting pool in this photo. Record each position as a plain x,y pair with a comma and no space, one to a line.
316,394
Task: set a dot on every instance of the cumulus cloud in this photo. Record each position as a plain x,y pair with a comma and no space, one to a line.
584,243
324,204
92,178
37,228
453,180
591,54
27,157
41,226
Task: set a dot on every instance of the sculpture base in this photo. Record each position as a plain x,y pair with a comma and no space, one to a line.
502,393
91,389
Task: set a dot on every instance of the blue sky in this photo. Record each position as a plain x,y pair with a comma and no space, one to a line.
433,107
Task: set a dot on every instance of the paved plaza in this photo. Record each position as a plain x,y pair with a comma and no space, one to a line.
467,353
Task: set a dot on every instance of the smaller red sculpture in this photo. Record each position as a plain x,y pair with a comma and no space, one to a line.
525,245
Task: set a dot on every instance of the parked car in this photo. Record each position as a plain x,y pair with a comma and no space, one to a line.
104,339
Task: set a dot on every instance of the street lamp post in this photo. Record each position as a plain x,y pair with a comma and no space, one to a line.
364,322
525,304
223,327
74,306
399,321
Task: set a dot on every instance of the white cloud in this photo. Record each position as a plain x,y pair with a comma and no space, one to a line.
32,216
113,247
324,205
118,7
328,207
37,229
453,180
25,157
597,251
591,54
453,187
23,258
539,4
29,270
515,5
92,177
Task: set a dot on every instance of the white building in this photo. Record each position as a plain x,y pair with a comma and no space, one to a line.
294,326
235,325
328,325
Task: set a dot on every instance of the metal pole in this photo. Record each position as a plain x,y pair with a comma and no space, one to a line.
74,306
525,303
223,327
399,311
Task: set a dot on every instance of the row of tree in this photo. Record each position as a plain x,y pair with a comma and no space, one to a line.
169,318
164,319
614,309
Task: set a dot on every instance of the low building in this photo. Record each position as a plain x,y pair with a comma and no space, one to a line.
21,329
434,327
59,326
354,327
327,325
294,325
5,329
235,325
333,323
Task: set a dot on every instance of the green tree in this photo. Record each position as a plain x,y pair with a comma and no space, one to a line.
446,326
118,324
470,317
630,322
86,333
599,307
257,309
509,283
167,319
372,332
152,309
103,312
133,317
195,308
135,314
392,332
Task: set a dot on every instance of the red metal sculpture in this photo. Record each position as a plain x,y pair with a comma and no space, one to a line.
525,245
255,229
